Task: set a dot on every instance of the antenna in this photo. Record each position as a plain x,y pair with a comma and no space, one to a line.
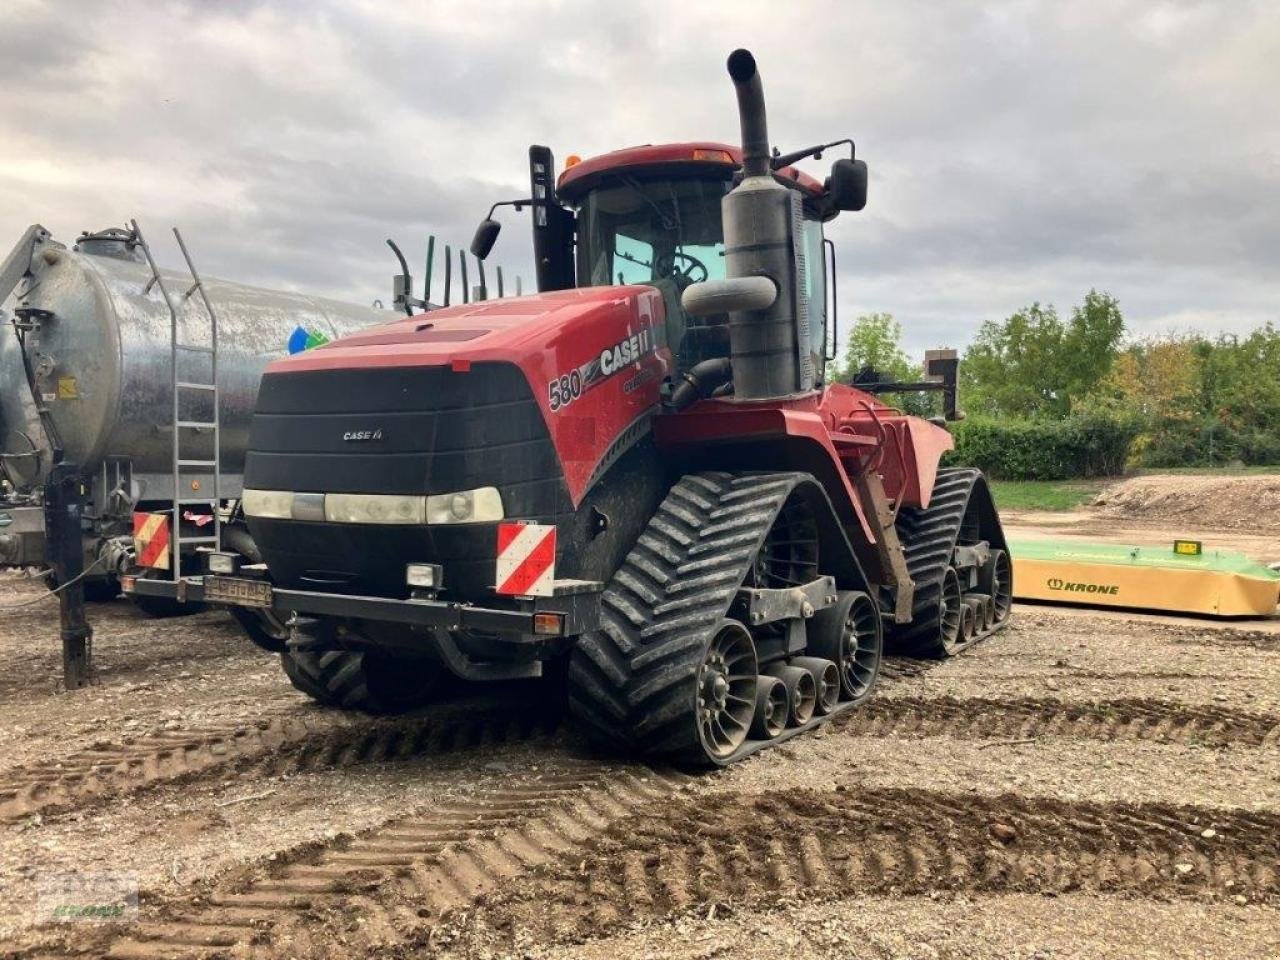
448,272
431,255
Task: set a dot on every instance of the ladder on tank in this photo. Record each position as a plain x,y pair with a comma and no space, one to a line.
183,427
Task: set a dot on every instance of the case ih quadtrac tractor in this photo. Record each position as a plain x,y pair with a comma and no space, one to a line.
639,469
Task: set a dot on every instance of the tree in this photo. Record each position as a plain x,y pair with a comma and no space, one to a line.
875,344
1034,365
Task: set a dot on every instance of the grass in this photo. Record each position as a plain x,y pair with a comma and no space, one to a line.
1056,495
1062,495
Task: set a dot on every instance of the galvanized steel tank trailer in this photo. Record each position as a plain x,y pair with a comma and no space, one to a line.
86,337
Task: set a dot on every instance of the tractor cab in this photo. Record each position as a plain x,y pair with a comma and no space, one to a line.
652,215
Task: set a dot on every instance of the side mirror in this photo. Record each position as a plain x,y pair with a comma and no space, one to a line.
847,185
485,237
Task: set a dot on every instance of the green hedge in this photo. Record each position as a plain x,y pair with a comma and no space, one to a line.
1015,449
1207,443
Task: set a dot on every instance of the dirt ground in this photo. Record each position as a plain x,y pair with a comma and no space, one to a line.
1084,784
1249,502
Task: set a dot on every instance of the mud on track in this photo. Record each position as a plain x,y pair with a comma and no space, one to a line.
739,852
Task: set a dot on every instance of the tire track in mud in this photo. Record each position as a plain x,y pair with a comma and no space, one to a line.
395,881
278,745
270,746
899,667
739,851
1031,718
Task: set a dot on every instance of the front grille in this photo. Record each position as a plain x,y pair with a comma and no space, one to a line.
431,430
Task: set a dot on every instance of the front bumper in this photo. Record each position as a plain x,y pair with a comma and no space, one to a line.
576,602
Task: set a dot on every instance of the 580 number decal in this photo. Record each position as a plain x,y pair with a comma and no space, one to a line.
568,387
565,390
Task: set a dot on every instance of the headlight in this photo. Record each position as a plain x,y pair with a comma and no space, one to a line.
467,506
483,505
276,504
373,508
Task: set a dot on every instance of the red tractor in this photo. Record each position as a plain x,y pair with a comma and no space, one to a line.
639,470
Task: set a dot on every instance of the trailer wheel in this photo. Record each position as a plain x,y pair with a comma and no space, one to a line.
360,679
161,608
101,591
263,627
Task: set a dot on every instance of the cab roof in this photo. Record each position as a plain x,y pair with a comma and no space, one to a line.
696,157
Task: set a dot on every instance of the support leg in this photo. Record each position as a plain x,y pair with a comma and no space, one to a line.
65,549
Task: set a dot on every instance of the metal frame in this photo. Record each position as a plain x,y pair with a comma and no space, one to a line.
580,609
178,462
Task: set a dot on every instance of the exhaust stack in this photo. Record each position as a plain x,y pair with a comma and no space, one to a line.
770,341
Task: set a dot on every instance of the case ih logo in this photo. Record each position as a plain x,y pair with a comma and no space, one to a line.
354,435
1067,586
568,387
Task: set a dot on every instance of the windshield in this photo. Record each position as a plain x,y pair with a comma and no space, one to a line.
665,233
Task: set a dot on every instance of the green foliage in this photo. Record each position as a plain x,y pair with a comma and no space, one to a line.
875,345
1085,445
1183,400
1035,365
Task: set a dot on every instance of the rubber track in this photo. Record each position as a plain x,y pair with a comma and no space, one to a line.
751,851
400,879
269,747
1152,720
632,681
928,540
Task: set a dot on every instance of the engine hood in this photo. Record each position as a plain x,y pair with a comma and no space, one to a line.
594,360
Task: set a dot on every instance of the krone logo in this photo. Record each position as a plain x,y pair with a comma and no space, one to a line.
1067,586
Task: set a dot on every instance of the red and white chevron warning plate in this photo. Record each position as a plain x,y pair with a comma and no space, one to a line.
526,559
151,540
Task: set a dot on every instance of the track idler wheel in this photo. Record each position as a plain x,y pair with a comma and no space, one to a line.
826,680
772,707
995,578
850,633
726,691
802,692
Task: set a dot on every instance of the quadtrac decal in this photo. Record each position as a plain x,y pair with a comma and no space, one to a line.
615,359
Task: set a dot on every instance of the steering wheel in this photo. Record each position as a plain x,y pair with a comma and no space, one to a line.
684,268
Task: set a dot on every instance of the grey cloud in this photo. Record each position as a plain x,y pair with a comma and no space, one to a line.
1019,150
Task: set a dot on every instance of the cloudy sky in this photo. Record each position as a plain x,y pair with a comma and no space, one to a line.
1019,151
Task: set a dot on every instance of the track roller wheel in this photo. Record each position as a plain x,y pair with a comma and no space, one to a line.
771,708
850,633
983,605
826,679
726,696
995,579
969,623
802,692
949,640
360,679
